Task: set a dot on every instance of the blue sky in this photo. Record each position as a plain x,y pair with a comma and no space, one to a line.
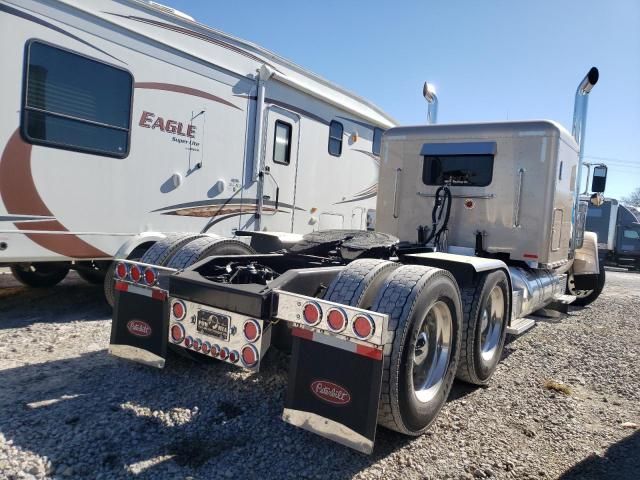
490,60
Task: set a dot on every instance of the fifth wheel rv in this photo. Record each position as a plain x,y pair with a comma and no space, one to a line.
127,121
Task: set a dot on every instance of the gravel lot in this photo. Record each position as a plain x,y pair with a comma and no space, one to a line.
68,410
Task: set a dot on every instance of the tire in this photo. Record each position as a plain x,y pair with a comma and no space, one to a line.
586,297
359,282
163,250
416,297
204,247
40,275
485,309
93,272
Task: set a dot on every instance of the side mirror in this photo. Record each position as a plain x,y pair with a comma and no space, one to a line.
599,179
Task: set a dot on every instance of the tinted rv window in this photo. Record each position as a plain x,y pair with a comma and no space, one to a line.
76,103
335,138
632,234
469,170
377,141
282,143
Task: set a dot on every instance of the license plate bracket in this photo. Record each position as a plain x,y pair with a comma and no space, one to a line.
213,324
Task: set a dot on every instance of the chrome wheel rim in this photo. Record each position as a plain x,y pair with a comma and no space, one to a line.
491,323
432,352
571,284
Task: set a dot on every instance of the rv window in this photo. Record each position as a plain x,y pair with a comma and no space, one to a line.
632,234
282,143
377,141
76,103
469,170
335,138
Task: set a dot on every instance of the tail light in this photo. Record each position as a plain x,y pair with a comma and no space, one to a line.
251,330
177,333
206,348
224,353
197,344
150,276
215,350
135,273
336,319
178,309
188,342
312,313
122,270
249,356
363,326
234,356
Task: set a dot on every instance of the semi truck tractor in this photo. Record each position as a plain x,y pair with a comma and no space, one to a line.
618,230
478,227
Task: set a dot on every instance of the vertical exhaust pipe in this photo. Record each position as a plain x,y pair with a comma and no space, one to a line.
429,94
578,132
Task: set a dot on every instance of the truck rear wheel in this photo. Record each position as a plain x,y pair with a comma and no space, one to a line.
40,275
484,327
585,297
422,346
359,282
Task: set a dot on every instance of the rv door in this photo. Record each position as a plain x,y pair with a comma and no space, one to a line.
281,158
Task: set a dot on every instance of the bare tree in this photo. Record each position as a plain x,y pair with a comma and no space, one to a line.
633,198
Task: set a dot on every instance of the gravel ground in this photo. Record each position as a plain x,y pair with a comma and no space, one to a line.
68,410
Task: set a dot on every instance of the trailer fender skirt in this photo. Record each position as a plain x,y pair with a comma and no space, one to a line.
334,388
139,330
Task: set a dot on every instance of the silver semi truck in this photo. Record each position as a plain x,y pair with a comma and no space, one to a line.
478,227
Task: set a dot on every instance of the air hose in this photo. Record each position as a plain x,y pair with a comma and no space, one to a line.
441,208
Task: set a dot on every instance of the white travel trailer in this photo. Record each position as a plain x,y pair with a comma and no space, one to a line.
126,120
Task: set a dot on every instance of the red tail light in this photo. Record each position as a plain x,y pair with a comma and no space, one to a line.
224,353
135,273
150,276
197,344
363,326
188,342
249,356
336,319
178,309
121,270
206,348
177,333
251,330
215,350
312,313
234,357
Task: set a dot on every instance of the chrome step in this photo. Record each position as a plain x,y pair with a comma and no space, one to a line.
520,325
567,299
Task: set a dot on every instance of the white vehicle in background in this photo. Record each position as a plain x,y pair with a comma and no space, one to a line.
127,120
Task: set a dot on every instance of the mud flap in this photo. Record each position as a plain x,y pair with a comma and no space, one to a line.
139,329
334,388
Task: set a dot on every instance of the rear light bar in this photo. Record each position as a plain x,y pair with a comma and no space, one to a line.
355,324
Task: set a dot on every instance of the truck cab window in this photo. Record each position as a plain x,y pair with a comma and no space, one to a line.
75,103
465,170
632,234
335,138
282,143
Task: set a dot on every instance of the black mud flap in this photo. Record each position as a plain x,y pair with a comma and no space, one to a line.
334,387
139,329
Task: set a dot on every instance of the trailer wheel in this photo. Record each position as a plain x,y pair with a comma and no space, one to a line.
585,297
359,282
40,275
204,247
422,346
93,271
484,327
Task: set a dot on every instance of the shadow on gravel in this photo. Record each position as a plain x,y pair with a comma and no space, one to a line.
620,461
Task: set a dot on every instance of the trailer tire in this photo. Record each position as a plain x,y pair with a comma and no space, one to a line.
357,284
93,271
586,297
40,274
485,309
204,247
423,304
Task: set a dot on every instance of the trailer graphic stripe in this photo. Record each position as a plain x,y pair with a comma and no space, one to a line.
20,197
170,87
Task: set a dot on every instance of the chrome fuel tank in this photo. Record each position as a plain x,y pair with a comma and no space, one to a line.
534,289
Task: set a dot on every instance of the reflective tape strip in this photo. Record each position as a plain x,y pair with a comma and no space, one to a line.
146,292
332,341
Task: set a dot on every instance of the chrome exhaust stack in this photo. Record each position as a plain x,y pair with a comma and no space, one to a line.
429,94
